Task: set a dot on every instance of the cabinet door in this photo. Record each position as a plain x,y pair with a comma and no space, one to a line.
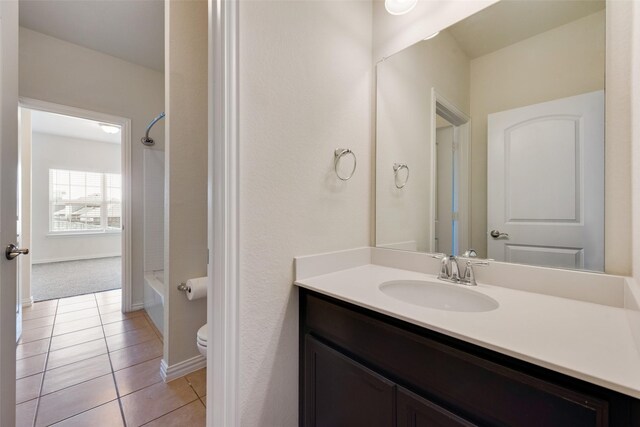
414,411
340,392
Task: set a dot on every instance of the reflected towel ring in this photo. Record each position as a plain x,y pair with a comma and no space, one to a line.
339,153
397,167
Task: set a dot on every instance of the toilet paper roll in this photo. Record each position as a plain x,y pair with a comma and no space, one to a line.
197,288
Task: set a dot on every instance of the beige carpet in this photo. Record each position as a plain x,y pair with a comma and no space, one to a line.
71,278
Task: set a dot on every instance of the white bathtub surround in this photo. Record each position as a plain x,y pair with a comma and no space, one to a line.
154,294
580,324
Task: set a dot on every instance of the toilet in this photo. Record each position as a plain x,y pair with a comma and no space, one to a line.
201,340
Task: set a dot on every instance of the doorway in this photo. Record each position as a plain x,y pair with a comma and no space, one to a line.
450,149
73,206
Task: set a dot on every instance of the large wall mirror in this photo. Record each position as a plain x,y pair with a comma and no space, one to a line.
490,135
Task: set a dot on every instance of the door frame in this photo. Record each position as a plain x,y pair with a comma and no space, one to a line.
224,254
462,152
125,166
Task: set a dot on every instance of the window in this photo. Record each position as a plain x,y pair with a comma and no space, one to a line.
82,202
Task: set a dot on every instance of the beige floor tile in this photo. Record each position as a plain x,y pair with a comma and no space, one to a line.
116,299
25,413
135,354
76,325
116,342
110,308
155,401
28,388
117,316
35,334
203,399
76,299
35,314
198,381
76,307
32,348
75,373
125,325
76,353
193,415
76,315
138,376
71,401
75,338
30,365
42,305
37,322
108,294
107,415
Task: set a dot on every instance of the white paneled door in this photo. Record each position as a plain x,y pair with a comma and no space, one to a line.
8,206
546,183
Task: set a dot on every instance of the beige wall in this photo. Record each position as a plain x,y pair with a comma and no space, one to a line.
562,62
305,89
633,16
393,33
185,173
63,73
618,143
403,133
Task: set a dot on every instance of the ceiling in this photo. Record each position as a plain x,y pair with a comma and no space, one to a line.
72,127
132,30
510,21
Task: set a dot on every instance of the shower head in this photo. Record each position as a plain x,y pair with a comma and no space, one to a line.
146,140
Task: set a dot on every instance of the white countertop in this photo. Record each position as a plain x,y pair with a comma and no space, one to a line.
585,340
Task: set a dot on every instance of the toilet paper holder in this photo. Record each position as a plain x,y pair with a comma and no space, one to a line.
184,288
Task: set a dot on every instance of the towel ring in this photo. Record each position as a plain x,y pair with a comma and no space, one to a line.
338,154
397,167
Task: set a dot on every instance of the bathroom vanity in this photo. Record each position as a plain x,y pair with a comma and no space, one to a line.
368,358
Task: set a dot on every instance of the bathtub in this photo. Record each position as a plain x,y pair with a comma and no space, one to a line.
154,292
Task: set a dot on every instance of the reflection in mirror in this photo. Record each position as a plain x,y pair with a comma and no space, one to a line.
500,120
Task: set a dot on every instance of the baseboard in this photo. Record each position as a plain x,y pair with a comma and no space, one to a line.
74,258
170,373
27,302
137,306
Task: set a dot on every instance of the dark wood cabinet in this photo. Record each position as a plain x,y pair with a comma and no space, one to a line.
344,393
415,411
361,368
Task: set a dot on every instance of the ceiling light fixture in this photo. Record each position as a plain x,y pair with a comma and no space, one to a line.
431,36
399,7
110,129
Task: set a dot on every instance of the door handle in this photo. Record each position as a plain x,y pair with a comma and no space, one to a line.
13,251
497,234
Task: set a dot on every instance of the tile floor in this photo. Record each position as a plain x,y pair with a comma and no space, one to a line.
81,362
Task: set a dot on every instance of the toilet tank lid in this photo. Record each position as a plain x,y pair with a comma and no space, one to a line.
202,333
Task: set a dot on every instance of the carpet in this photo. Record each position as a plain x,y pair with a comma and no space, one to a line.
71,278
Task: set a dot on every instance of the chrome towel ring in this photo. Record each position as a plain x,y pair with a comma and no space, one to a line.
338,154
397,167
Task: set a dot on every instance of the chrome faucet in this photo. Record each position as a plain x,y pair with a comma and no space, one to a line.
450,268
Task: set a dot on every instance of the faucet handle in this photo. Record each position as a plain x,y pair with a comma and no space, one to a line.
469,276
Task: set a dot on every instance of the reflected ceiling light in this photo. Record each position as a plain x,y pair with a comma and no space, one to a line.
431,36
111,129
399,7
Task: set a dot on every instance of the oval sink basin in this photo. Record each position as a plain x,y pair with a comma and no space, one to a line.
441,296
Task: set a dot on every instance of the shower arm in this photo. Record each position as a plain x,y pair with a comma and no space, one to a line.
146,140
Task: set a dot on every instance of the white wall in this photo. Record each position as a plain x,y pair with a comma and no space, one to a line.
403,133
565,61
60,72
186,173
57,152
305,89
